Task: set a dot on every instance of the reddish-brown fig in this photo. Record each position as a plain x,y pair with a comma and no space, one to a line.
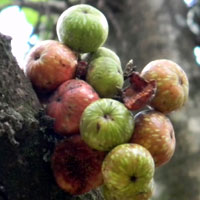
172,85
154,131
77,167
68,103
49,64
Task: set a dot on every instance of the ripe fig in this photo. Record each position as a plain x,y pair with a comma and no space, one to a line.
68,104
77,167
155,132
49,64
172,85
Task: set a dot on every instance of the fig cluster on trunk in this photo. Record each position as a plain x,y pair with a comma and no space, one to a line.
80,84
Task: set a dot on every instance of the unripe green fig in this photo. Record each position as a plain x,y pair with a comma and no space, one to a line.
105,76
83,28
104,52
105,124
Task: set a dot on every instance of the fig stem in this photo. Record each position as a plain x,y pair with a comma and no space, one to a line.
129,69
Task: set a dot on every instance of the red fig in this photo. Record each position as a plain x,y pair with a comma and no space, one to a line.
68,104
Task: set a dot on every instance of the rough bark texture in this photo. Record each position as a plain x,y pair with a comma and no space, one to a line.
25,138
143,30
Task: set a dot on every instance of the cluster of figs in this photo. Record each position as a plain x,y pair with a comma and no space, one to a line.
112,136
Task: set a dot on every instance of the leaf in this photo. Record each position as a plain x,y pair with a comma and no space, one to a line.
31,15
5,2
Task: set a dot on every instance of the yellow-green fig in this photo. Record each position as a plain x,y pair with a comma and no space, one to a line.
128,171
145,194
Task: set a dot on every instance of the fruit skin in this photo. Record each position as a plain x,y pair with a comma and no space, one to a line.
128,169
68,104
172,84
83,28
104,52
50,63
106,76
146,194
155,132
76,167
106,123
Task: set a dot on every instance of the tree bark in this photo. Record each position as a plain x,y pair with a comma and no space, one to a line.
26,142
157,29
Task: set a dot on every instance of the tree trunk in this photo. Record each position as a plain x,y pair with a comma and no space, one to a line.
157,29
25,138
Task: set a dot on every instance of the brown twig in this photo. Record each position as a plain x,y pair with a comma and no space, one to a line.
129,69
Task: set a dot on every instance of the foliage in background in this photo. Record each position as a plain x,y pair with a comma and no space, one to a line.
43,15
